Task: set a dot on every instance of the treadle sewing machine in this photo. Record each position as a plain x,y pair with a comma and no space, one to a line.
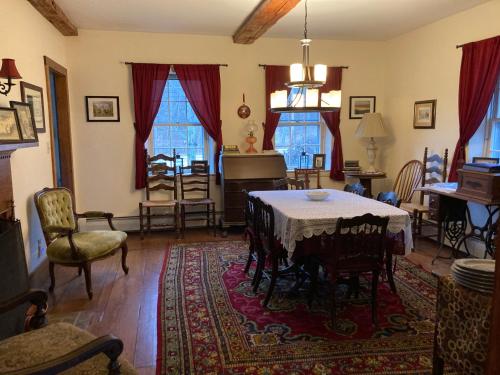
448,206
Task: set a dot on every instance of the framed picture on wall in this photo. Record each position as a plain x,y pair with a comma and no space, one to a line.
103,108
359,105
9,126
26,121
424,114
319,161
33,95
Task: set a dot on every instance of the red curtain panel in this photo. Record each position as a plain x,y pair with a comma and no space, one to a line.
478,76
201,83
332,120
149,82
276,76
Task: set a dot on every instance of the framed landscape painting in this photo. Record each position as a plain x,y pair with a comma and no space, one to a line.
26,121
424,114
359,105
33,95
103,108
9,126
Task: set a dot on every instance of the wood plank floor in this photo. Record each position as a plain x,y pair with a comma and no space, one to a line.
126,305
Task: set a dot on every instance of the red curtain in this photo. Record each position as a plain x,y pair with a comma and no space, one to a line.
332,120
276,76
201,83
149,82
478,76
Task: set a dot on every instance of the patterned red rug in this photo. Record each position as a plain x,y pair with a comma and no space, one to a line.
210,321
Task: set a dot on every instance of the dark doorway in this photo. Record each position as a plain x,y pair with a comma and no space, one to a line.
57,94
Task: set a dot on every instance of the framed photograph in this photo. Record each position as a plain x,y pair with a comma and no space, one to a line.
424,114
26,121
359,105
485,160
9,126
319,161
33,95
103,108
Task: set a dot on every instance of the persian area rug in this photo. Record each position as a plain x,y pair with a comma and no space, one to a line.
210,321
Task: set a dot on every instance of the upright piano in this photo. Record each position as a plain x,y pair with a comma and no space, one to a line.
246,172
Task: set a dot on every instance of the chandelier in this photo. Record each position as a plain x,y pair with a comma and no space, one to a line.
305,96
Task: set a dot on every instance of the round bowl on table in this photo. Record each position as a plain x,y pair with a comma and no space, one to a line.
317,195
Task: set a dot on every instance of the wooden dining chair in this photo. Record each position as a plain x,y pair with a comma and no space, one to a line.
366,234
356,188
250,232
195,192
288,184
305,174
161,178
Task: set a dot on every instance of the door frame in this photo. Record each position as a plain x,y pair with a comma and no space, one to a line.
64,123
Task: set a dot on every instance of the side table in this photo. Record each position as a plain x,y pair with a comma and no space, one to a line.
365,179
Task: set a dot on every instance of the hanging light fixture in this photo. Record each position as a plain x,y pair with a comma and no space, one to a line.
307,97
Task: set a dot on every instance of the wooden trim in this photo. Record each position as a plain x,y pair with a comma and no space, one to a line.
55,15
64,122
265,15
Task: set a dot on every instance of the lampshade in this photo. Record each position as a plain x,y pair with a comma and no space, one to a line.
312,97
371,126
9,69
296,73
279,99
320,72
331,99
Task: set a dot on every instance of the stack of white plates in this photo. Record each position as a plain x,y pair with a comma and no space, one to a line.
476,274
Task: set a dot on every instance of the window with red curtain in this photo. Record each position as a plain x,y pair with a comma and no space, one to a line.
479,72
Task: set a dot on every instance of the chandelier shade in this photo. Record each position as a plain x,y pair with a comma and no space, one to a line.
306,80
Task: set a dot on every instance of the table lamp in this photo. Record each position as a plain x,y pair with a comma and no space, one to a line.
371,126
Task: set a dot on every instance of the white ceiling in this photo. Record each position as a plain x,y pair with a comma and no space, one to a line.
328,19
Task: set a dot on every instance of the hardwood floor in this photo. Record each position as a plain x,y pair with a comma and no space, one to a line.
126,305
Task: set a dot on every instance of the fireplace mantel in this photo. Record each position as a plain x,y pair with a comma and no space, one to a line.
6,189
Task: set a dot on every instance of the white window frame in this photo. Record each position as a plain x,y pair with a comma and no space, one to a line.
490,120
323,134
207,144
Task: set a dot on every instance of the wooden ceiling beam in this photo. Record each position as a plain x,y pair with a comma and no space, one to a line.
55,15
265,15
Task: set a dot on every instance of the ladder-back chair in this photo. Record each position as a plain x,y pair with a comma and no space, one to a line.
305,175
161,178
195,191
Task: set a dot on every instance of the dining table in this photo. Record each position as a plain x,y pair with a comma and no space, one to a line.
297,217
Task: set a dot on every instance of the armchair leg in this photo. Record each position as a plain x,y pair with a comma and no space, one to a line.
213,220
88,278
80,270
124,258
52,277
183,221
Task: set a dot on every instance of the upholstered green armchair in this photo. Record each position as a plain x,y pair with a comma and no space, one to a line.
69,247
58,347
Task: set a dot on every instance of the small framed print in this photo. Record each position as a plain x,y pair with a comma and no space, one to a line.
319,161
26,121
9,126
33,95
424,114
103,108
359,105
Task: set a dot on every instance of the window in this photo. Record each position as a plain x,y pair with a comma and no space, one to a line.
177,127
299,132
486,140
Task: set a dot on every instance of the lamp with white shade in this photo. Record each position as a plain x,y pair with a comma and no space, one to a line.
371,126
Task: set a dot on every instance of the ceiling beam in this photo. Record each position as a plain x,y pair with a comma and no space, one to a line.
55,15
265,15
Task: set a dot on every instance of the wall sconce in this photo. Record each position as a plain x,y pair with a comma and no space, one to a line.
10,72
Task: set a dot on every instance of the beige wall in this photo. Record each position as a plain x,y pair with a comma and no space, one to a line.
27,37
104,151
424,64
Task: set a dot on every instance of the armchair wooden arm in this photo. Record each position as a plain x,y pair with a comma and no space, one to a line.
96,215
109,345
67,232
36,297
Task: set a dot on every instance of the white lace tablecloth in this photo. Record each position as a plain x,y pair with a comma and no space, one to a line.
296,217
